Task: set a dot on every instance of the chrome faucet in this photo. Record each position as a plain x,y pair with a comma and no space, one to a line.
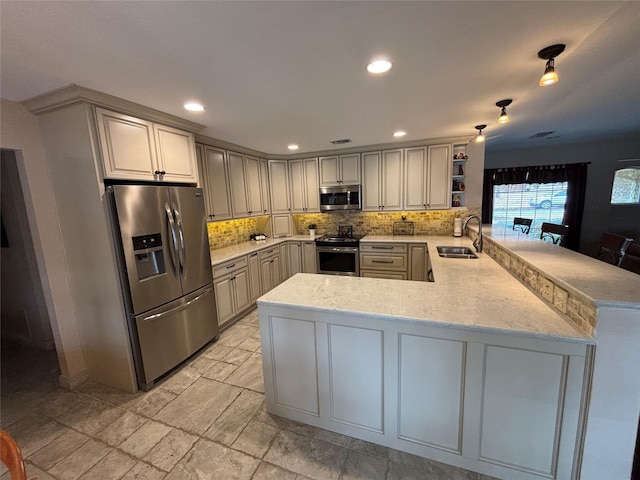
478,241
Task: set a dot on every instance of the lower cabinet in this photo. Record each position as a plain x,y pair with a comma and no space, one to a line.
295,258
284,261
270,268
254,276
309,258
384,260
418,262
231,285
502,405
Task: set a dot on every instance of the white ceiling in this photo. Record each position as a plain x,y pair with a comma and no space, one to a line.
273,73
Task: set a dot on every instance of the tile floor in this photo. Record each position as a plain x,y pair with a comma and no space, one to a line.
206,421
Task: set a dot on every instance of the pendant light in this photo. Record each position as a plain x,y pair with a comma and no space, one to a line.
480,137
503,118
549,53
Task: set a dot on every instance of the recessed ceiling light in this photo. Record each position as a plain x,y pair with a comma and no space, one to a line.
399,133
194,107
379,66
293,147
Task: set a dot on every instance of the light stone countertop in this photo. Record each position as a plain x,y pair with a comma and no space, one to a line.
604,284
221,255
473,294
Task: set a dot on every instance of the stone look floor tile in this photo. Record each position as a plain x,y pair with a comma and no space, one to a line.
306,456
250,344
34,432
111,467
121,429
143,471
199,405
170,450
34,473
249,374
151,402
208,460
217,351
144,439
64,445
202,364
220,371
369,448
179,381
361,466
267,471
81,460
230,424
256,438
236,335
404,466
89,415
236,356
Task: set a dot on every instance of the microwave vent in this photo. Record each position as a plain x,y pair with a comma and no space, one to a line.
342,141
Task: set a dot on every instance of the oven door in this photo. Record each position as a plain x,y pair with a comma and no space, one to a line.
338,261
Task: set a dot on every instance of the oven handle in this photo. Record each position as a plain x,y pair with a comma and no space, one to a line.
337,249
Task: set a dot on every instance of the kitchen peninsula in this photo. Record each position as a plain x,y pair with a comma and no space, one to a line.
473,370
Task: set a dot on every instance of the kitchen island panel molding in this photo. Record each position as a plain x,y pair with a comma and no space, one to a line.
435,399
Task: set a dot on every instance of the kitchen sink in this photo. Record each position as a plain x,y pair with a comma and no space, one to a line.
456,252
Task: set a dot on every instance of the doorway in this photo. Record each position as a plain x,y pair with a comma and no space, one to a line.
28,348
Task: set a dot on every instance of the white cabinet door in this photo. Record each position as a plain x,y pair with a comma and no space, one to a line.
329,171
254,276
418,263
311,187
279,182
264,187
214,181
350,169
281,225
266,267
371,181
224,298
176,154
253,185
295,258
309,262
284,261
391,180
241,289
128,146
296,176
439,177
238,187
415,188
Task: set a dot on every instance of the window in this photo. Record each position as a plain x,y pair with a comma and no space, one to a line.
626,186
541,202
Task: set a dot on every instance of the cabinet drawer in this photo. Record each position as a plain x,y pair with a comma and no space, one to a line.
384,247
382,274
383,262
269,252
229,266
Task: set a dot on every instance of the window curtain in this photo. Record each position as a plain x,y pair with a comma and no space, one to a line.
574,174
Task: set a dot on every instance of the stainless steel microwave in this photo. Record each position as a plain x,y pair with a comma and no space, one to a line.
340,197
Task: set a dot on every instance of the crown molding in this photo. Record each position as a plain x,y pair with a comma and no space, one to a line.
73,94
216,142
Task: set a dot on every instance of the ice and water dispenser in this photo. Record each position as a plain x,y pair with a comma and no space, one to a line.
149,255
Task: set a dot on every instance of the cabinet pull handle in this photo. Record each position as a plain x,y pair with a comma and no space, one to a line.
254,254
381,261
232,265
382,247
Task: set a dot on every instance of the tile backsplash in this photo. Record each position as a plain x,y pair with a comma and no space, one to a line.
430,222
233,232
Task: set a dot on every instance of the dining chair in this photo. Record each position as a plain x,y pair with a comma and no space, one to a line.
631,259
553,232
11,456
522,224
612,248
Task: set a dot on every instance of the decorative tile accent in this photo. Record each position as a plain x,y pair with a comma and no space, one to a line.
572,304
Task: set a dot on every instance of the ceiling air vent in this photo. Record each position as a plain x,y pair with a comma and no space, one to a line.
340,142
541,134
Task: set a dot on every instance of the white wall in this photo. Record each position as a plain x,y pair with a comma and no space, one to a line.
599,216
20,132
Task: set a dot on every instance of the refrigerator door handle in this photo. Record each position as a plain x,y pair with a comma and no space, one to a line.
182,252
178,308
174,240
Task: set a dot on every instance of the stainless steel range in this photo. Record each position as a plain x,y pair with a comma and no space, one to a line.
339,255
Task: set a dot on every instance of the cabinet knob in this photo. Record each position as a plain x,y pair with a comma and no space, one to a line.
160,172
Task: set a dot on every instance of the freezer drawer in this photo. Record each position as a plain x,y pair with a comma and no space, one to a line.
170,334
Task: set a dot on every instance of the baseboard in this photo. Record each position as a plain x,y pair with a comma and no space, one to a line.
71,383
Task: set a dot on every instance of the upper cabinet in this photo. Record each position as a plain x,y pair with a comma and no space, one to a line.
382,181
340,170
427,177
305,194
244,178
458,175
214,180
135,149
279,183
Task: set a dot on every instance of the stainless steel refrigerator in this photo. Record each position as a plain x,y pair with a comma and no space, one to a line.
165,269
